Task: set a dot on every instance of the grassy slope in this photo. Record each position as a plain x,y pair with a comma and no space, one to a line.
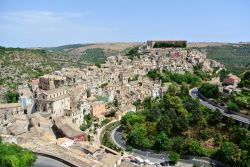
235,57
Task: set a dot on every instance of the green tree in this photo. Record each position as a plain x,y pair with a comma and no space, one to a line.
165,125
215,117
174,157
233,106
137,103
138,136
209,90
154,114
13,155
193,147
223,74
11,97
204,134
163,142
218,139
153,74
229,153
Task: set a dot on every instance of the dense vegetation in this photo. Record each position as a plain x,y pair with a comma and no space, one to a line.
170,44
166,76
132,53
236,101
12,155
178,123
245,80
88,120
97,56
11,97
94,56
236,57
209,90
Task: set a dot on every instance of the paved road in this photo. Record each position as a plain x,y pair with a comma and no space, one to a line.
153,157
48,162
194,93
146,154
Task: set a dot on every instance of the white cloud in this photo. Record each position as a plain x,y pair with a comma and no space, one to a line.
37,16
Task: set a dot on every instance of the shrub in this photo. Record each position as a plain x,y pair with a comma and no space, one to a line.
174,157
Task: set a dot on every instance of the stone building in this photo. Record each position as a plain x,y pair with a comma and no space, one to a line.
54,101
8,111
48,82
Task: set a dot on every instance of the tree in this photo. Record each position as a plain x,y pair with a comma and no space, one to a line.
238,134
98,65
223,74
11,97
153,114
147,103
133,53
162,142
178,144
215,117
233,106
138,136
165,125
14,155
184,90
218,139
229,153
193,147
137,103
153,74
209,90
174,157
195,116
179,121
204,134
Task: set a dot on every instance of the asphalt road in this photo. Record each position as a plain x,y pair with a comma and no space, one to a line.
194,93
147,154
48,162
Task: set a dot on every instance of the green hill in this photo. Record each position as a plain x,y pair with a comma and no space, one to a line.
236,57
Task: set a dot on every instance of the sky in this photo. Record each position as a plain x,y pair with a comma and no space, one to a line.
44,23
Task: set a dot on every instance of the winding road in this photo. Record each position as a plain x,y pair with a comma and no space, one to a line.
194,93
148,154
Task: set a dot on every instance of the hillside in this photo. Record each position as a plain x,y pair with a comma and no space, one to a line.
236,57
95,52
19,66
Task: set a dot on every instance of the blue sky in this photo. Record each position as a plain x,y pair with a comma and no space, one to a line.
39,23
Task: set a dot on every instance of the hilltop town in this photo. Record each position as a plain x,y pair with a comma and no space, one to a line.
68,108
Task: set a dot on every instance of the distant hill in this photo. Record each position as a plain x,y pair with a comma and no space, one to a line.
204,44
95,53
66,48
236,57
